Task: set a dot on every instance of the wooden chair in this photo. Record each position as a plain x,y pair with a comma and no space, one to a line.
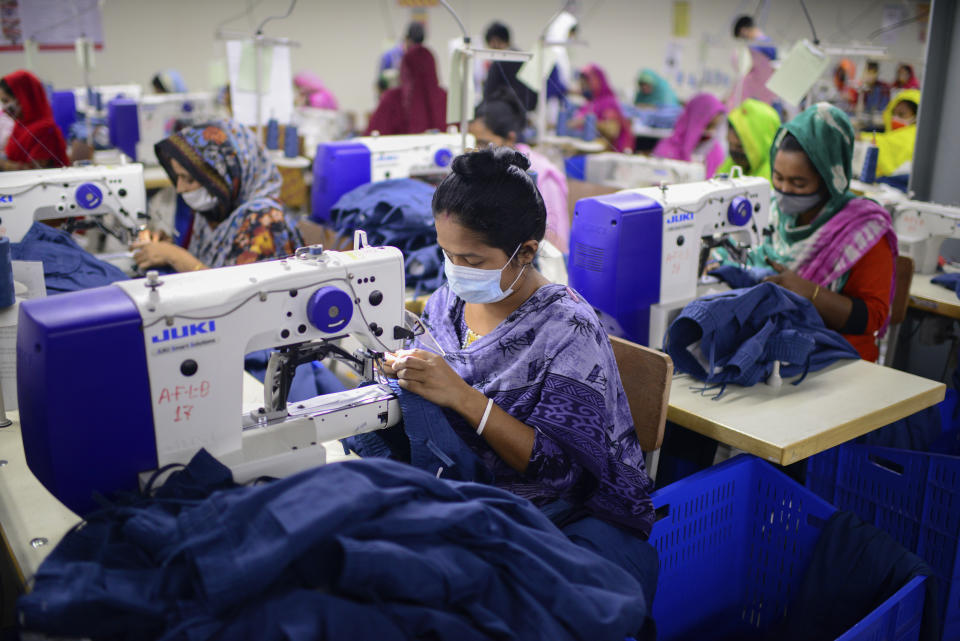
898,309
646,375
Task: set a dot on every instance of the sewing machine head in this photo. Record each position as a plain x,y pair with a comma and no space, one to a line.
137,124
630,172
121,380
341,166
110,197
921,229
637,255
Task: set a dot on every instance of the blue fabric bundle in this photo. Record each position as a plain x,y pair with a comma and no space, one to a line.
735,337
67,266
950,281
354,550
396,213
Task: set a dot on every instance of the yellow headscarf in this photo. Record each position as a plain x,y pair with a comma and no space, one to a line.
895,146
756,124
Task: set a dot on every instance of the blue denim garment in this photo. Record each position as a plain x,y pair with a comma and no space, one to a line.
738,335
738,277
310,379
67,266
950,281
431,443
352,550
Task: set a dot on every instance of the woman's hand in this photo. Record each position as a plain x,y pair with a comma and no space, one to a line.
789,279
430,376
156,254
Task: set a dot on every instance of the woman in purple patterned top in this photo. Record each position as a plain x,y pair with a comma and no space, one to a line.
527,375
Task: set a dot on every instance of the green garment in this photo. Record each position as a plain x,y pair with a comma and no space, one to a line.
662,94
756,123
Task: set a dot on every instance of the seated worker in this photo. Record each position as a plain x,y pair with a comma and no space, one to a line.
222,172
836,250
875,94
654,91
528,380
500,120
751,128
309,91
895,145
906,78
602,102
168,81
36,141
418,104
694,137
503,74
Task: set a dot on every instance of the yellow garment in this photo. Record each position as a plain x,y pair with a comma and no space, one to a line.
470,338
756,124
895,146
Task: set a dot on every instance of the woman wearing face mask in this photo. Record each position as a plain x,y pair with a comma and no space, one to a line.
694,137
224,175
750,131
603,103
830,247
35,142
895,145
529,379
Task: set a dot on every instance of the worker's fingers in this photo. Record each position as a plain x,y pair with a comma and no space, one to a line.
412,362
776,266
405,374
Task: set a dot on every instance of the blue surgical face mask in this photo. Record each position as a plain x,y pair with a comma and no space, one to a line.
476,285
796,204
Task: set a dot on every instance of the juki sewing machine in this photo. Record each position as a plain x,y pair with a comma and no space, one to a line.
119,381
921,228
136,125
630,172
110,198
344,165
637,255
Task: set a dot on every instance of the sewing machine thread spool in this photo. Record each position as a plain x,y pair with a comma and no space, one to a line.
273,134
291,142
590,127
869,172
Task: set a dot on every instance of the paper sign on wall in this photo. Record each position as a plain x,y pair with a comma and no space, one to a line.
798,72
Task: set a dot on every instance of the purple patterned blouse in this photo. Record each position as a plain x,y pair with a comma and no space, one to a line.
550,365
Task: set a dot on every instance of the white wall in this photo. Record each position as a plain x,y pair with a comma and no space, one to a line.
342,39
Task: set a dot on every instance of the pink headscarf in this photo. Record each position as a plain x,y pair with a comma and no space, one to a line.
604,105
691,124
318,96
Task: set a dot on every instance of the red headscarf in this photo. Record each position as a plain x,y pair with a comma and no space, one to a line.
418,104
912,83
605,106
36,138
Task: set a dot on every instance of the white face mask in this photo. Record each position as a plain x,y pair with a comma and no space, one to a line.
476,285
199,199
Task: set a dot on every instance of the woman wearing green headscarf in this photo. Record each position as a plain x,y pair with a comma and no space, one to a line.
829,246
654,91
750,132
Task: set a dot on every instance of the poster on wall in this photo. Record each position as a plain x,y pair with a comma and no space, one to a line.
53,25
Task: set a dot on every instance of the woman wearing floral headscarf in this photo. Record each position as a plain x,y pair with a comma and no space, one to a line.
222,173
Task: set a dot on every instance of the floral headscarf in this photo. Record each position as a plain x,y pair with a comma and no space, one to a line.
248,223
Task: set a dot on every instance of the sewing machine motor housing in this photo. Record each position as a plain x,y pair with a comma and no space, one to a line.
136,125
341,166
68,192
631,172
636,255
118,381
921,228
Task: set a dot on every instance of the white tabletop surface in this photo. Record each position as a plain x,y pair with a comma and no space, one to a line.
786,425
933,298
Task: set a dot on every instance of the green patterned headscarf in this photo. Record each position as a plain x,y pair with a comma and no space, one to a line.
827,137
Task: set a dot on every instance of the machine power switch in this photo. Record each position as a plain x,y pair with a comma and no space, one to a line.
739,211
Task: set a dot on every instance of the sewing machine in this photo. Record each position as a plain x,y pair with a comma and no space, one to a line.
630,172
637,255
341,166
921,229
119,381
136,125
112,198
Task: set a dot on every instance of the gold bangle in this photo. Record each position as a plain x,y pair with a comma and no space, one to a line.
199,267
815,292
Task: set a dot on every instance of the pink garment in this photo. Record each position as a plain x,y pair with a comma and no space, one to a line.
605,106
754,84
552,184
318,96
691,124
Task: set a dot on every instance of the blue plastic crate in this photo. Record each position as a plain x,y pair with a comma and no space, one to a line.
915,496
822,473
734,542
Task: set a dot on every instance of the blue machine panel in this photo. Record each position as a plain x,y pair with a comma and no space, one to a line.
615,258
84,394
64,105
124,125
339,167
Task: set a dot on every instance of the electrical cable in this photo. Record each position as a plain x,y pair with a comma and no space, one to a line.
293,3
803,5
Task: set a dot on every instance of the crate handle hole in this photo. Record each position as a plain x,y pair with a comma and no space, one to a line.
887,464
662,512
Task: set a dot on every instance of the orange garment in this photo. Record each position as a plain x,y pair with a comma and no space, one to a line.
870,280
